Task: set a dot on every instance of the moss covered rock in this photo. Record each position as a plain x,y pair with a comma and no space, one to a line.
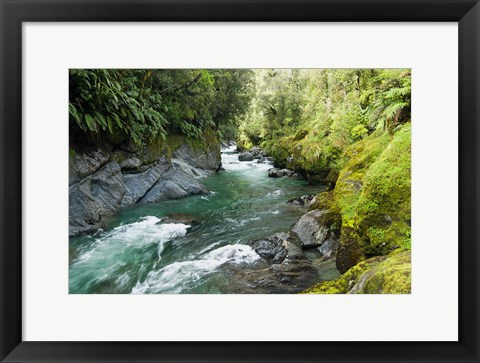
372,194
378,275
383,211
359,157
349,252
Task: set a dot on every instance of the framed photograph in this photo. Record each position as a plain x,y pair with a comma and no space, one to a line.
239,181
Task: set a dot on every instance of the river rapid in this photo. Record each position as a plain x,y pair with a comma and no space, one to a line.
140,254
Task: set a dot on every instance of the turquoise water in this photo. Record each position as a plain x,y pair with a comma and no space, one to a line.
137,253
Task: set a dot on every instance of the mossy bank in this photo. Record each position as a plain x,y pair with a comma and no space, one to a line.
372,196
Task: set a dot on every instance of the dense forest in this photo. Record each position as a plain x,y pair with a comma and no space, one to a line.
346,130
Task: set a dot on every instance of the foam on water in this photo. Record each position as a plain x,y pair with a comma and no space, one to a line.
143,232
105,256
229,149
176,276
230,162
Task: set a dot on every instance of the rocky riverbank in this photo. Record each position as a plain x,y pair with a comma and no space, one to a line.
359,229
104,179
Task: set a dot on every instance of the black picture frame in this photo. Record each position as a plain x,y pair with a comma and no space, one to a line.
14,12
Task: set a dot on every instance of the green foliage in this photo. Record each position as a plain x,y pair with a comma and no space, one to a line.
151,104
311,116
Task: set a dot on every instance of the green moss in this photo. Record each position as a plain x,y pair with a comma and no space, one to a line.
383,210
324,200
206,142
359,157
377,275
71,152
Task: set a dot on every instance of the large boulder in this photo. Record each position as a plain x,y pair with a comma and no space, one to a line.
174,184
275,173
257,152
94,197
138,184
245,156
210,159
317,227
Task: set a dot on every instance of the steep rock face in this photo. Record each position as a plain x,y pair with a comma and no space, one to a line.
101,181
95,196
83,165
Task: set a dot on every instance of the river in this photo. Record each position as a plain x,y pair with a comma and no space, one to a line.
139,254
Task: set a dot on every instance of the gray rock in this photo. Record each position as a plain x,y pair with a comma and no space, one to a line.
137,185
192,170
94,197
329,247
257,152
288,172
303,200
130,163
275,173
288,277
83,165
108,188
174,184
313,230
206,160
84,215
279,247
270,248
245,156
